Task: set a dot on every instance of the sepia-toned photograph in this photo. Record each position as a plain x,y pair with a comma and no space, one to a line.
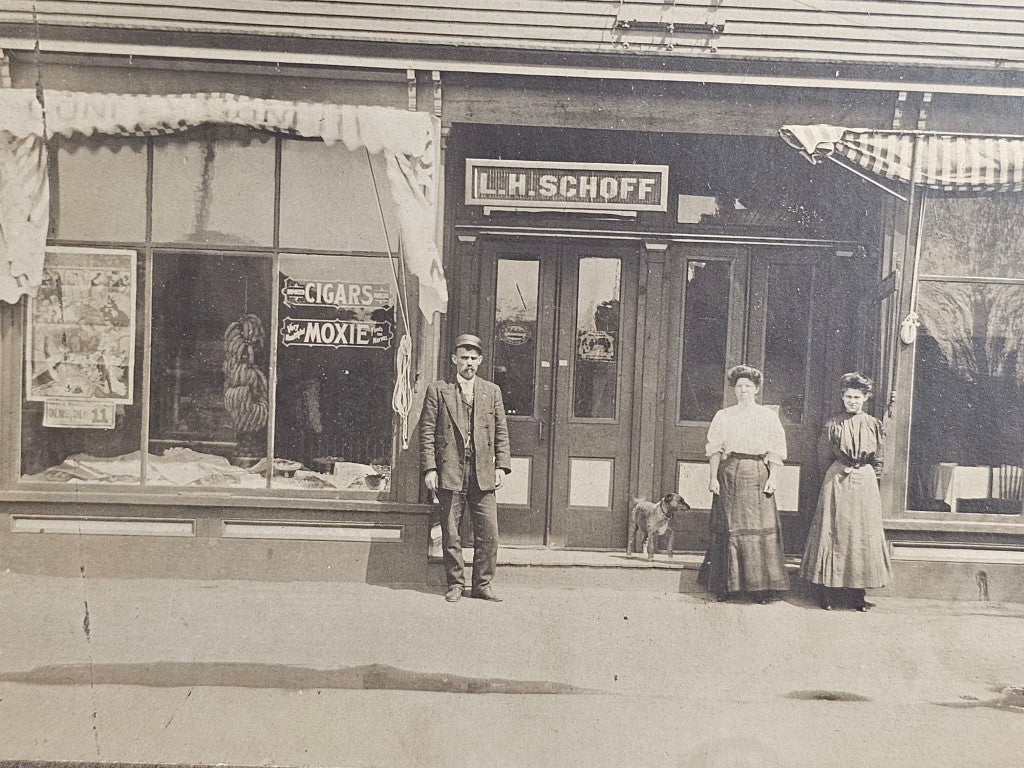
555,382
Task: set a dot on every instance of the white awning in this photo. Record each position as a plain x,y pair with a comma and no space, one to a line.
944,161
408,140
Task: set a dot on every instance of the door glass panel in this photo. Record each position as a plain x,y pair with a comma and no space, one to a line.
705,328
515,334
597,338
785,338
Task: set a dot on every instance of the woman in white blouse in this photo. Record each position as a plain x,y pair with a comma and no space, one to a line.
746,446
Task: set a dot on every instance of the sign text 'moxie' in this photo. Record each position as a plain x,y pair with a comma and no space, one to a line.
310,332
568,186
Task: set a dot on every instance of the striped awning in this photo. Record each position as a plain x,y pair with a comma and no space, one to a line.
409,142
945,161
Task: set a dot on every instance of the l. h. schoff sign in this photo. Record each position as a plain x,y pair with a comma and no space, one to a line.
566,186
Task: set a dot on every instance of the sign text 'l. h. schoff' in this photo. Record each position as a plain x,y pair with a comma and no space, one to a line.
566,186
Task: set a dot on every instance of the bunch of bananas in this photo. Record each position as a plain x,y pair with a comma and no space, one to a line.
245,385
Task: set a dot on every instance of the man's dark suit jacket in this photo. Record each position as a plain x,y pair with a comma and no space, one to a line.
442,440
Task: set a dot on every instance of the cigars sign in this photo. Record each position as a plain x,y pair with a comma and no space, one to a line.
566,186
336,302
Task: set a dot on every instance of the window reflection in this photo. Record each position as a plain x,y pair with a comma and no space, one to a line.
515,334
705,330
966,442
981,236
597,338
785,340
214,185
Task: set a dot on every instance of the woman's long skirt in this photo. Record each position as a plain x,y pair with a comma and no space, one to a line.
745,552
846,544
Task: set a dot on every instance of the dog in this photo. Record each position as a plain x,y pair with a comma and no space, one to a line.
649,519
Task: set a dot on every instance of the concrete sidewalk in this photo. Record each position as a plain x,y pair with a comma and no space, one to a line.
354,675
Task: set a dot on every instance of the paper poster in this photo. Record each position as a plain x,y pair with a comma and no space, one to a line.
80,341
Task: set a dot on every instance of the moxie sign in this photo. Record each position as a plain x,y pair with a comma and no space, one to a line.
566,186
313,332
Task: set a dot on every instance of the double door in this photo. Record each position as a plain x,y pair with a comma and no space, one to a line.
561,320
612,360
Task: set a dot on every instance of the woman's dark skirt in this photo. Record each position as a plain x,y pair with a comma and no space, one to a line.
745,552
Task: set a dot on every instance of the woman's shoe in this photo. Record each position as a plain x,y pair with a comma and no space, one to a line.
763,598
863,606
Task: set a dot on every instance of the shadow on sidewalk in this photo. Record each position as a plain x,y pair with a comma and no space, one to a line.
172,674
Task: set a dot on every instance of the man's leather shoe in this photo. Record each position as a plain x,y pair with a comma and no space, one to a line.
486,594
454,593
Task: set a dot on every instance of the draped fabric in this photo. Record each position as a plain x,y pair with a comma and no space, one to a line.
949,162
408,140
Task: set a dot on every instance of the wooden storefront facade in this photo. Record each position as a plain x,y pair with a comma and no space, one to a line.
610,330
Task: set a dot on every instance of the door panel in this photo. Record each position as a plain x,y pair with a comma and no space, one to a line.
763,307
520,325
593,395
560,325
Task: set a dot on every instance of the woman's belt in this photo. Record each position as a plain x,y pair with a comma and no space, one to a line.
867,461
755,456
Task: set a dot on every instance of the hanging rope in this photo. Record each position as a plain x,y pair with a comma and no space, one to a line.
401,397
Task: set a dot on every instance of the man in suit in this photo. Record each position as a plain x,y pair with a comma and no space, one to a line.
464,453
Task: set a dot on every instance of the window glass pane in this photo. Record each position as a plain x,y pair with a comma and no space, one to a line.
966,442
208,413
336,372
705,334
982,236
100,190
214,185
329,202
81,417
515,334
597,338
785,338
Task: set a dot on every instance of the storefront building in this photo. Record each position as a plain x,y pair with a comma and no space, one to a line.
616,215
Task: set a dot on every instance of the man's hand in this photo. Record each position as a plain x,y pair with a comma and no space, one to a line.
430,479
499,477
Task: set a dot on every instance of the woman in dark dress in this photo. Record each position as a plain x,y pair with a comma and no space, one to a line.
746,445
846,551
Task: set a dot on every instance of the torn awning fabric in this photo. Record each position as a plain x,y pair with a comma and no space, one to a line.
945,161
408,140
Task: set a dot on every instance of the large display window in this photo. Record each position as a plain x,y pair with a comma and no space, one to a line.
966,437
205,304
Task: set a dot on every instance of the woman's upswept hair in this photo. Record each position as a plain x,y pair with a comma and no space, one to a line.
738,372
857,380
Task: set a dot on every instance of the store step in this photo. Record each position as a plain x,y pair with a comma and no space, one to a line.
600,569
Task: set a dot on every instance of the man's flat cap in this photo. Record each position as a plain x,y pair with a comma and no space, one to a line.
469,340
